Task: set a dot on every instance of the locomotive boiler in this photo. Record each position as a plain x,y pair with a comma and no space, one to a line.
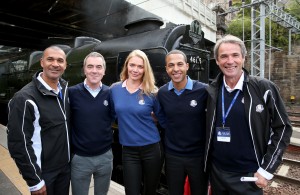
156,42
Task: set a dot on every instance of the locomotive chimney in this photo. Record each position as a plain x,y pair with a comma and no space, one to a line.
143,25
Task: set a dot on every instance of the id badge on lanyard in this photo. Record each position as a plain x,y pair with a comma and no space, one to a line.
223,133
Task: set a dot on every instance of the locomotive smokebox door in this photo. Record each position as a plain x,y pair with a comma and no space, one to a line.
193,45
194,36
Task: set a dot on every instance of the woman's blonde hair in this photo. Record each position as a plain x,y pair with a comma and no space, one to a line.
148,80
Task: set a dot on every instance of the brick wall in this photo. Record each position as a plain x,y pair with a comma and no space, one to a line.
285,73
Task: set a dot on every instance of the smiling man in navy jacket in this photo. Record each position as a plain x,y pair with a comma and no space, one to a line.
183,102
248,127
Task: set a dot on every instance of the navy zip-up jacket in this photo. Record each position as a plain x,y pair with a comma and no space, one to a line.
38,131
268,121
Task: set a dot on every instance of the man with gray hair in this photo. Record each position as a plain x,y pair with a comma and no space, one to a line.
92,136
248,128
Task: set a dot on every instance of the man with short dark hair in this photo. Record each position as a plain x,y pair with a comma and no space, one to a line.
183,102
38,122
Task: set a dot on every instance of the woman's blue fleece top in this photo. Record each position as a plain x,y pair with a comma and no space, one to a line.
133,111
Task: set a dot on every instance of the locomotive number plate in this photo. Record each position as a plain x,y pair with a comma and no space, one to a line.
194,59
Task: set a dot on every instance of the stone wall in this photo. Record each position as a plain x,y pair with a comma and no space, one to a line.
285,73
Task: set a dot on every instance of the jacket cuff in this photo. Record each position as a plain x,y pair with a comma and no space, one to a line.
265,174
37,187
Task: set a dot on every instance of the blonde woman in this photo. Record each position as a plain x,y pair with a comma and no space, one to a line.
134,99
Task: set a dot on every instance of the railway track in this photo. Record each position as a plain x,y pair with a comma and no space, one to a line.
295,114
294,165
295,118
291,161
286,179
295,123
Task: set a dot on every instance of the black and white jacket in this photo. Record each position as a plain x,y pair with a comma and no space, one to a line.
38,131
270,127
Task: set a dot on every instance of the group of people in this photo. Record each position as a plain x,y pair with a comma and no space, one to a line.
215,134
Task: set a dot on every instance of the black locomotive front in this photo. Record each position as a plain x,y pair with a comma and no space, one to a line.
156,42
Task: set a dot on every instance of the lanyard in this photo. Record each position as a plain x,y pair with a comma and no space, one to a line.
231,104
60,94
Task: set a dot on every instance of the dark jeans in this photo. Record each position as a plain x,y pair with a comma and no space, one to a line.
142,166
229,183
177,168
58,181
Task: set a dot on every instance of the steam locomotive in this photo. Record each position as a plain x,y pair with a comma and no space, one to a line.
145,34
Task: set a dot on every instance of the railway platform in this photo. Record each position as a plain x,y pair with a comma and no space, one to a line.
11,182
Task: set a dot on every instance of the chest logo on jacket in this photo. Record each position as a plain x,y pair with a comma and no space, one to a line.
259,108
105,103
193,103
141,102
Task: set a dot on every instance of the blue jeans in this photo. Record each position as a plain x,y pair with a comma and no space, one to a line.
178,167
142,165
82,169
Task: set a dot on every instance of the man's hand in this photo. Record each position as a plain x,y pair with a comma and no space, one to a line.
261,181
154,117
42,191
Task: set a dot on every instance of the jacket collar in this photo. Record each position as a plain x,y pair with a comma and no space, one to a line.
217,82
42,88
219,78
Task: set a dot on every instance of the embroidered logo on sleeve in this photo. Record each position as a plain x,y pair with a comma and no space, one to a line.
259,108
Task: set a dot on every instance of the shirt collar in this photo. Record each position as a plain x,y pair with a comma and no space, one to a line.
124,84
239,84
90,89
189,84
47,86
